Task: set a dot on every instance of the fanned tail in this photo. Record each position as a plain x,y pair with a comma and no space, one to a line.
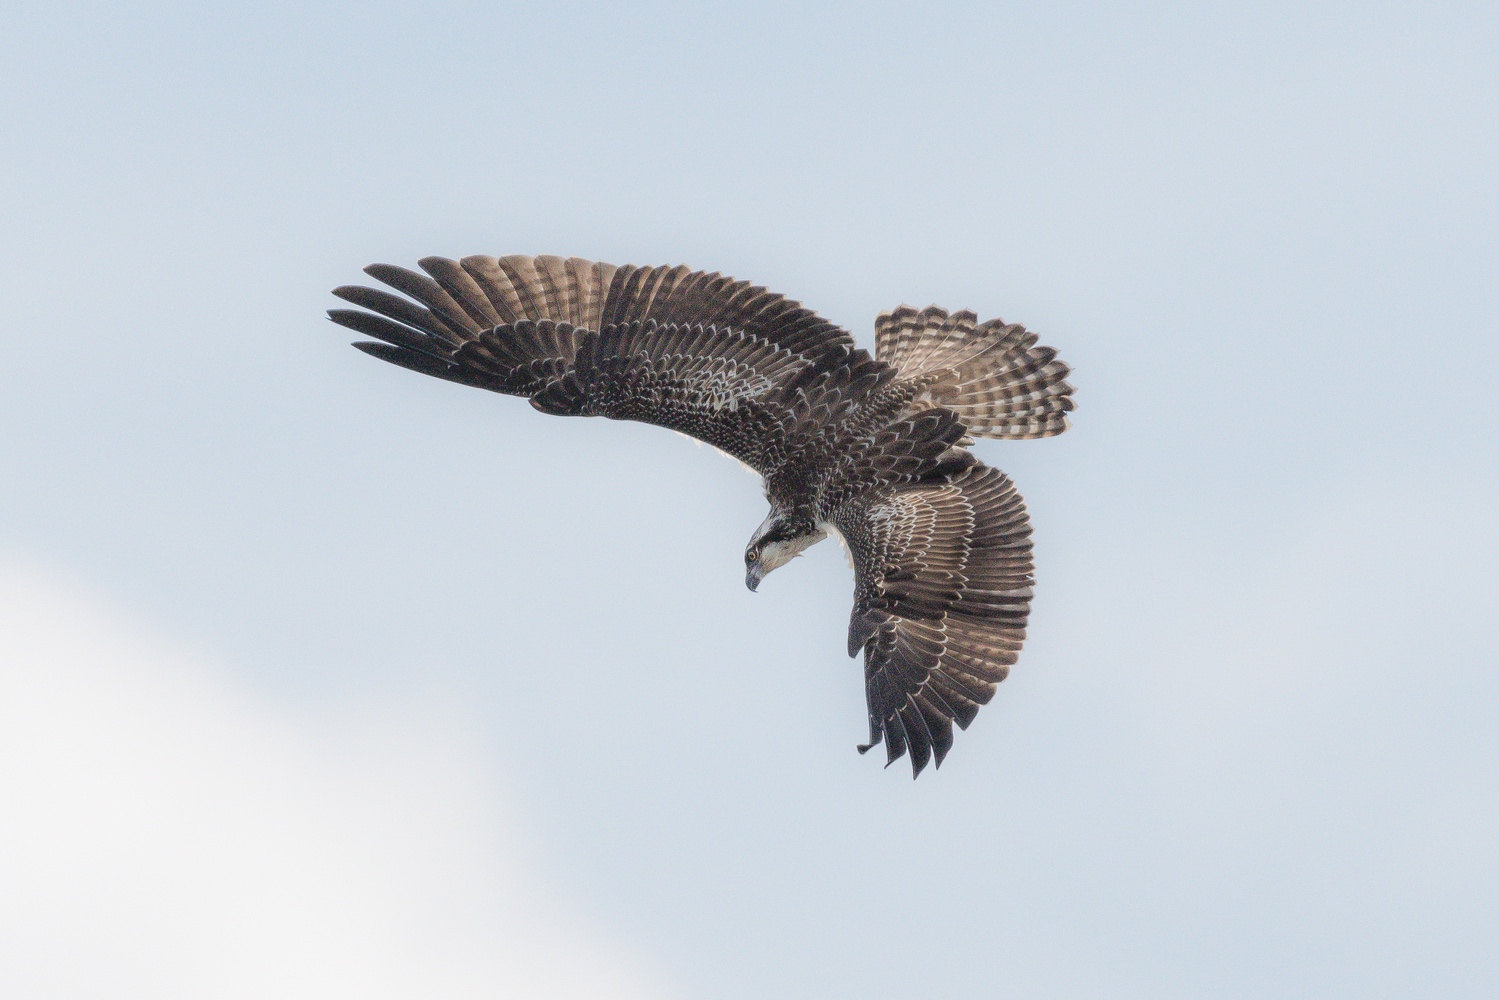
991,374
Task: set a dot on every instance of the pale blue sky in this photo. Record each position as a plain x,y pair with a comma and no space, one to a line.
1250,749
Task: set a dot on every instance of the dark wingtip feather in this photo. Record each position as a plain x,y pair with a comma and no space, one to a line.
920,753
942,740
383,329
424,363
895,739
398,355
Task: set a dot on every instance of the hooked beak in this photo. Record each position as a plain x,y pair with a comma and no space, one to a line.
752,580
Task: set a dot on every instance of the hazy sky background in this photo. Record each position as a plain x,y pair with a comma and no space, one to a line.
321,678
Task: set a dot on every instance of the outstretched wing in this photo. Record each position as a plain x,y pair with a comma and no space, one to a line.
991,374
701,353
942,591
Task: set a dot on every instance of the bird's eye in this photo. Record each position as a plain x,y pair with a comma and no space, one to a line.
750,557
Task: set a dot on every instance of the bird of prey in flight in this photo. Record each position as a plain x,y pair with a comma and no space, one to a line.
872,449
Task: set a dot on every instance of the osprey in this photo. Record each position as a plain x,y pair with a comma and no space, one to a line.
870,448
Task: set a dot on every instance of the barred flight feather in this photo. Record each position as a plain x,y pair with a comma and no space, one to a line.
992,375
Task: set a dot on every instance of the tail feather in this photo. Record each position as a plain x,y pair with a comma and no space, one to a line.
991,374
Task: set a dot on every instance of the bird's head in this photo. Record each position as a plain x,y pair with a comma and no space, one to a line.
777,541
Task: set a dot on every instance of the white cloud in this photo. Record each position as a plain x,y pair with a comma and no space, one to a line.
165,833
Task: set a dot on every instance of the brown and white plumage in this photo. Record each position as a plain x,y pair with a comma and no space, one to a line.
993,376
941,592
870,447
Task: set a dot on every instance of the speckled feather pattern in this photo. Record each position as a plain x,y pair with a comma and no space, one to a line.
870,445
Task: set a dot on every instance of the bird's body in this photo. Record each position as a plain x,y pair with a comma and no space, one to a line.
872,448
